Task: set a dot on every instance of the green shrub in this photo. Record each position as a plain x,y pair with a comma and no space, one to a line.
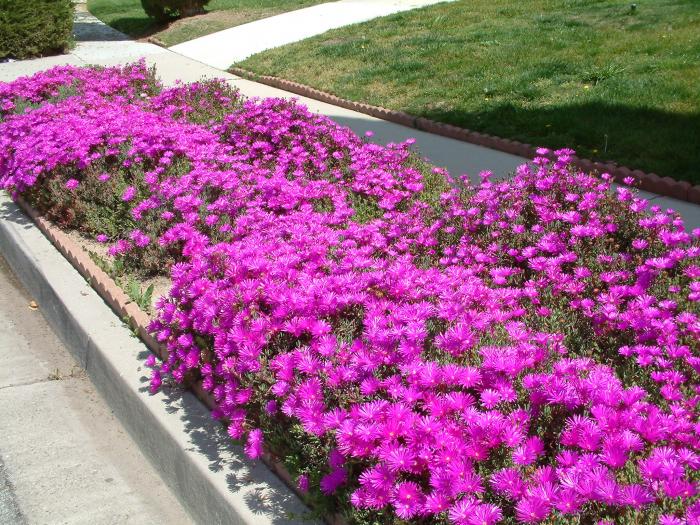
164,10
30,28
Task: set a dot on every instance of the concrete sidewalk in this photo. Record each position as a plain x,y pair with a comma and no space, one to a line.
64,458
223,48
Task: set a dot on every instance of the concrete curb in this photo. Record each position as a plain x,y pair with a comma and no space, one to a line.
208,473
650,182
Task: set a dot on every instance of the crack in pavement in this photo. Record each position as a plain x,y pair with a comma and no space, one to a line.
80,375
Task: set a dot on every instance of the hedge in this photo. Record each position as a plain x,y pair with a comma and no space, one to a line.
34,28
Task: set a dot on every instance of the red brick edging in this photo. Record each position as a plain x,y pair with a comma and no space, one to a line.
137,319
651,182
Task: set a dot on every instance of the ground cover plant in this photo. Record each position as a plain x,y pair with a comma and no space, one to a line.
129,17
415,351
613,81
36,28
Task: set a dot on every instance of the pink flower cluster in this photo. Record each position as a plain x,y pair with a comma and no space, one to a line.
66,81
520,351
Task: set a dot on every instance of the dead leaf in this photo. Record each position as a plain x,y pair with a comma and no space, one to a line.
33,305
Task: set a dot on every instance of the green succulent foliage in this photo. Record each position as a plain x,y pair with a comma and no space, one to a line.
142,297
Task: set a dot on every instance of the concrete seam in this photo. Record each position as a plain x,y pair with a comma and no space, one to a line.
35,382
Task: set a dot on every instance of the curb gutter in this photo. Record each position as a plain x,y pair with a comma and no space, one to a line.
209,475
650,182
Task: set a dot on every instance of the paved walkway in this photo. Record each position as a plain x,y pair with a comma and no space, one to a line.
224,48
64,458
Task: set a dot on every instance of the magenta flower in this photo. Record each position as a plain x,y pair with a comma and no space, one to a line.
528,453
408,500
568,501
330,482
508,482
669,519
436,503
636,496
462,511
254,444
72,184
400,459
303,483
485,514
129,193
419,331
119,248
679,488
531,510
235,429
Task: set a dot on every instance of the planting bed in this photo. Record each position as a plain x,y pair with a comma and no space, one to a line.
414,350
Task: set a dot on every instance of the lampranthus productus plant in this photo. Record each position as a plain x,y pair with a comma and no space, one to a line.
414,350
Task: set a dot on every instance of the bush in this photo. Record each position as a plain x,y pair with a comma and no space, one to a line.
522,351
164,10
35,28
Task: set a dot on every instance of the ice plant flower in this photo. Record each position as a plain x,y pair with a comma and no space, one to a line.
129,193
517,350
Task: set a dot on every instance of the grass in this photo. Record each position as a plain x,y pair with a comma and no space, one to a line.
128,17
614,82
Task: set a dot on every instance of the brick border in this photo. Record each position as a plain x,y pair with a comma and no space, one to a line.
650,182
138,320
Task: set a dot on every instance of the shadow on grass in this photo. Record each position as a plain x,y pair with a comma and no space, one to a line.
661,142
138,27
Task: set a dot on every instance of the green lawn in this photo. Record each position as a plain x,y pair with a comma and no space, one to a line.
128,16
613,82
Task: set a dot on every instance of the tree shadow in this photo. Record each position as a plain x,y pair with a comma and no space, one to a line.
92,32
262,493
137,27
87,28
11,212
653,140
